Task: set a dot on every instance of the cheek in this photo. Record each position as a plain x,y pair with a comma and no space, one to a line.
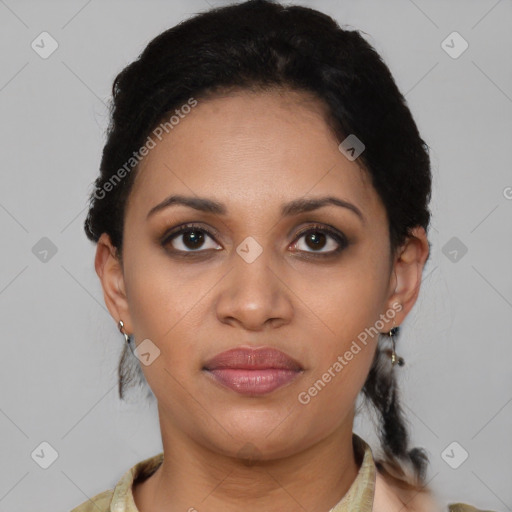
351,303
337,377
162,311
330,394
158,294
351,300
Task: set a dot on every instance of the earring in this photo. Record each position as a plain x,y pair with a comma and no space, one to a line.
121,327
394,358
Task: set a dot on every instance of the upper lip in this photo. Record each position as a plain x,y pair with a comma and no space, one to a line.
253,359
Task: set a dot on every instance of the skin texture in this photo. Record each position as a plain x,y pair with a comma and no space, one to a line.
254,151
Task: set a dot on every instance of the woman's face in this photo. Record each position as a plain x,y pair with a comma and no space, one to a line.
306,283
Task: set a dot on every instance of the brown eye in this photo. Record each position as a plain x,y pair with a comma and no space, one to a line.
190,238
320,240
193,239
316,240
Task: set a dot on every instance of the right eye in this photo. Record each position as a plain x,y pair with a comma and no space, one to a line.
192,237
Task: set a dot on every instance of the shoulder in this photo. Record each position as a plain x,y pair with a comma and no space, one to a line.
464,507
390,498
99,503
122,492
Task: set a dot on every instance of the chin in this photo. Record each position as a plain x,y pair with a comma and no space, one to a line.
260,438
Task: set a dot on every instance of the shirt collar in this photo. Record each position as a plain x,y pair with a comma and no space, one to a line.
361,493
359,496
122,498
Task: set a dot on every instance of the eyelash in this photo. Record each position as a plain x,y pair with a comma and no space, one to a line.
315,228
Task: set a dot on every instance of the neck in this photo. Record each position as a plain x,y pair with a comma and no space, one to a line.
193,477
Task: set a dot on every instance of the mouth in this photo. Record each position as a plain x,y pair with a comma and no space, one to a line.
253,372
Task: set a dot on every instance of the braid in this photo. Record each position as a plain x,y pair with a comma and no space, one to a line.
130,373
381,390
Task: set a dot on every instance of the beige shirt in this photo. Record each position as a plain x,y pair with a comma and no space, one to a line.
368,493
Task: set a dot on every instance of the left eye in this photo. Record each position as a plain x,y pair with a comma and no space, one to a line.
318,238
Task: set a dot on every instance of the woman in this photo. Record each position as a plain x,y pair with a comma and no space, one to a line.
261,219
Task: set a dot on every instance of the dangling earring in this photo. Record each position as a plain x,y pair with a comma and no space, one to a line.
121,328
394,358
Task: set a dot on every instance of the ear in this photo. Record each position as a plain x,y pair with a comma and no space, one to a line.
110,271
407,274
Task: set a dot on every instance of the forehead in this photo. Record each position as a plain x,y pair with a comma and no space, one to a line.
243,146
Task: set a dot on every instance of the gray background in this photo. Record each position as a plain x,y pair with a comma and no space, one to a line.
60,346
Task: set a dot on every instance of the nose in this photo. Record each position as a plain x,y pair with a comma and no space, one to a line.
254,295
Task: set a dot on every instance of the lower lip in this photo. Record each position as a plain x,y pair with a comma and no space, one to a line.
253,382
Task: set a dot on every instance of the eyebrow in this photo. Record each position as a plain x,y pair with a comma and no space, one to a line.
294,207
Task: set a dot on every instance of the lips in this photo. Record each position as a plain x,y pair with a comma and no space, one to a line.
253,371
253,359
